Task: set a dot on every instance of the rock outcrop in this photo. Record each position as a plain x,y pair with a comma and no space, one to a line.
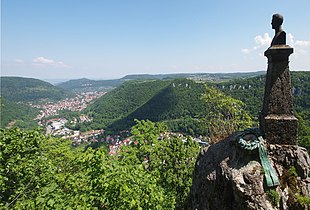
228,177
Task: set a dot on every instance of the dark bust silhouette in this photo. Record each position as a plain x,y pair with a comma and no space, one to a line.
280,35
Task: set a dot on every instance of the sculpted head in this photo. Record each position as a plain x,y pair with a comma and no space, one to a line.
277,21
280,35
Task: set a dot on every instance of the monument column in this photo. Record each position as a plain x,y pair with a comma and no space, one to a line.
277,119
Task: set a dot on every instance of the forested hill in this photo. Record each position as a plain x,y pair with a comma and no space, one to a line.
80,85
17,115
202,76
251,91
178,102
19,89
122,101
184,105
84,84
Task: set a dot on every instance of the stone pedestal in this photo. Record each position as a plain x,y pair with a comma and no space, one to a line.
277,120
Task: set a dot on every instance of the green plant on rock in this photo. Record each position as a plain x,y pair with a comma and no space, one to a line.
273,196
295,198
303,200
292,171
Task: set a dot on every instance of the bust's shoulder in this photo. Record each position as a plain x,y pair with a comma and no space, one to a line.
279,38
282,33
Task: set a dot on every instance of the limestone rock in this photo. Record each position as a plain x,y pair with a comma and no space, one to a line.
227,177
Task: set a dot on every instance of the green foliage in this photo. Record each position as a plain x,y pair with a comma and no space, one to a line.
289,179
193,126
303,137
87,85
178,105
251,92
301,90
169,159
18,89
20,163
39,172
273,196
115,185
18,114
303,200
225,114
292,171
147,131
122,101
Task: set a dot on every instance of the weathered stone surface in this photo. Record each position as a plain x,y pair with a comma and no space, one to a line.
277,120
227,177
281,129
278,95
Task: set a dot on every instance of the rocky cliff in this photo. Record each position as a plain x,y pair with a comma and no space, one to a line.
228,177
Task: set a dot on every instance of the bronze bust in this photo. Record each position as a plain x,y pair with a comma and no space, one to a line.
280,35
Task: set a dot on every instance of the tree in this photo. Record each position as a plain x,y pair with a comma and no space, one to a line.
226,114
114,184
303,137
38,171
169,158
43,172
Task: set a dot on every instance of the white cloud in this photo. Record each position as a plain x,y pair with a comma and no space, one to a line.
300,46
304,44
290,39
261,41
299,59
246,51
19,61
41,61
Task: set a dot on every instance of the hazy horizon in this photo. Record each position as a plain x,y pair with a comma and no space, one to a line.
56,80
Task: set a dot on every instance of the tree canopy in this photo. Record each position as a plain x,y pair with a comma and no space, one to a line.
39,172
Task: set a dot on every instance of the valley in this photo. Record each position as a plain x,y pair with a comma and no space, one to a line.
88,111
128,137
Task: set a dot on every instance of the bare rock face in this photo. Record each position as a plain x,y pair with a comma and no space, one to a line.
228,177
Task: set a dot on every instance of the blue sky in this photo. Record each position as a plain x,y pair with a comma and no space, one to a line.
104,39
